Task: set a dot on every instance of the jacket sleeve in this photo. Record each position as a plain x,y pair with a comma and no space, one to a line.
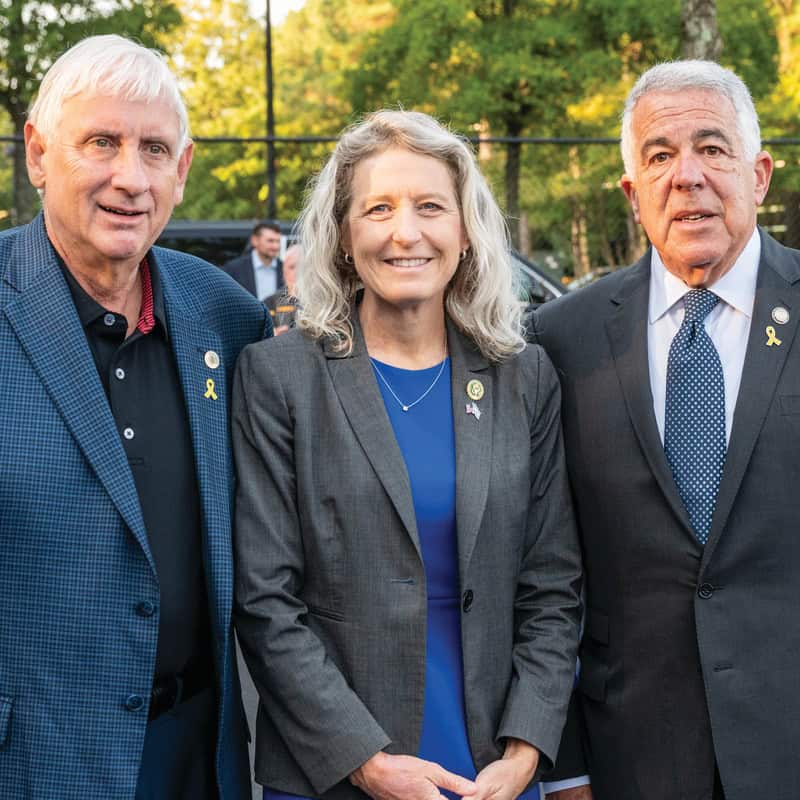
547,606
325,725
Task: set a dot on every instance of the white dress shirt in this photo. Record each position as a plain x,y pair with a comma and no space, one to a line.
266,276
728,324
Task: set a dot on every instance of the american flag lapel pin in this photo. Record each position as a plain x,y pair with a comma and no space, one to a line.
472,408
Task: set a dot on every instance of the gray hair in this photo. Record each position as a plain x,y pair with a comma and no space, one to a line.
106,66
680,76
480,298
294,251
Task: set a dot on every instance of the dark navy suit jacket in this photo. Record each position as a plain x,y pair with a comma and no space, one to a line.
690,654
241,270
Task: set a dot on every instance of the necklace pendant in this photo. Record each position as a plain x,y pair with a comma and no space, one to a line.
405,408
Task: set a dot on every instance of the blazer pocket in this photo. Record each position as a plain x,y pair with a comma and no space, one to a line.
790,404
5,718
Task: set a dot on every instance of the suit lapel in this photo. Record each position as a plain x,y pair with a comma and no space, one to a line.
777,285
354,382
627,333
473,440
191,340
46,323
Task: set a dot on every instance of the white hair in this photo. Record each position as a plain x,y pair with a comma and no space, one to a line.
106,66
688,75
480,298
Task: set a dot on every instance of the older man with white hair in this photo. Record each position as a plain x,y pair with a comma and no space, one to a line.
117,670
681,409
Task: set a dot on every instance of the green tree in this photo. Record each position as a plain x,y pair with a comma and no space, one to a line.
219,57
34,34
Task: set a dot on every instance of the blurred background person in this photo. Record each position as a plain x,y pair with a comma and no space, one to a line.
283,304
260,270
407,567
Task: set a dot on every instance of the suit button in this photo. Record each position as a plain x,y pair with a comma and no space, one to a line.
134,702
146,609
705,591
468,598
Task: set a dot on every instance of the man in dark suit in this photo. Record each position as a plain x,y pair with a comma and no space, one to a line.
681,414
260,270
117,670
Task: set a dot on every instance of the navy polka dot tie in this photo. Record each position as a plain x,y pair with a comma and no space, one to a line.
694,422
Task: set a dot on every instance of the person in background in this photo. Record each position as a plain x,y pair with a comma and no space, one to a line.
410,631
283,304
681,379
117,670
259,270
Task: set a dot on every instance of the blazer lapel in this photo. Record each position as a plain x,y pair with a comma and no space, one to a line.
205,393
46,323
473,440
354,382
627,333
777,285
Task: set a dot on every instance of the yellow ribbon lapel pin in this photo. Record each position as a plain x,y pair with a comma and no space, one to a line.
772,339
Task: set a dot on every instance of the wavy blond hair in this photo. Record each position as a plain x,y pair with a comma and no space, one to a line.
481,298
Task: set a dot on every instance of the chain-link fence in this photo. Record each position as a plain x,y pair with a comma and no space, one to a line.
573,219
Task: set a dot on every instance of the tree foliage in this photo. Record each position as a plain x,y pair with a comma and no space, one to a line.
542,68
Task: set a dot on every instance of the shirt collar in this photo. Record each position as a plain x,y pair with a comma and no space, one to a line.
152,310
737,287
259,264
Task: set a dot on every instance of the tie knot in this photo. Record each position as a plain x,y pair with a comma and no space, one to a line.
698,304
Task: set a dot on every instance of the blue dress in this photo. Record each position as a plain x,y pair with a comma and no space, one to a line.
427,442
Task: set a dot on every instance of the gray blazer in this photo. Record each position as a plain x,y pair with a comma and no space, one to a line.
691,654
330,585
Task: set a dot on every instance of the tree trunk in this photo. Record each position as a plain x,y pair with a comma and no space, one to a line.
512,189
700,33
524,246
579,228
25,204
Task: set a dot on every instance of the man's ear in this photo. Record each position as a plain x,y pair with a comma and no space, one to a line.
184,162
763,171
629,189
34,156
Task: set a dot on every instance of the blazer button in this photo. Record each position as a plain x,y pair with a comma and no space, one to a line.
467,602
146,609
705,591
134,702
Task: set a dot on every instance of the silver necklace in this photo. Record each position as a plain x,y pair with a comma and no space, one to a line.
407,406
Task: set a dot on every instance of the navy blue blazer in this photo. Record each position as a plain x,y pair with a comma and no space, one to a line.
241,270
74,556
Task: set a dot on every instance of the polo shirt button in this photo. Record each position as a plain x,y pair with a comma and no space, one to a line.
134,702
128,433
146,608
120,373
109,320
467,600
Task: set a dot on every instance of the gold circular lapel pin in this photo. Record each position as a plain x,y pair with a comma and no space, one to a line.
212,359
475,390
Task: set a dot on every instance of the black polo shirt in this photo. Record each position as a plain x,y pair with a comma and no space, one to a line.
143,388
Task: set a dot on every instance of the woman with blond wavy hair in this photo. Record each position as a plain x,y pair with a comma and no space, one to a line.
408,572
